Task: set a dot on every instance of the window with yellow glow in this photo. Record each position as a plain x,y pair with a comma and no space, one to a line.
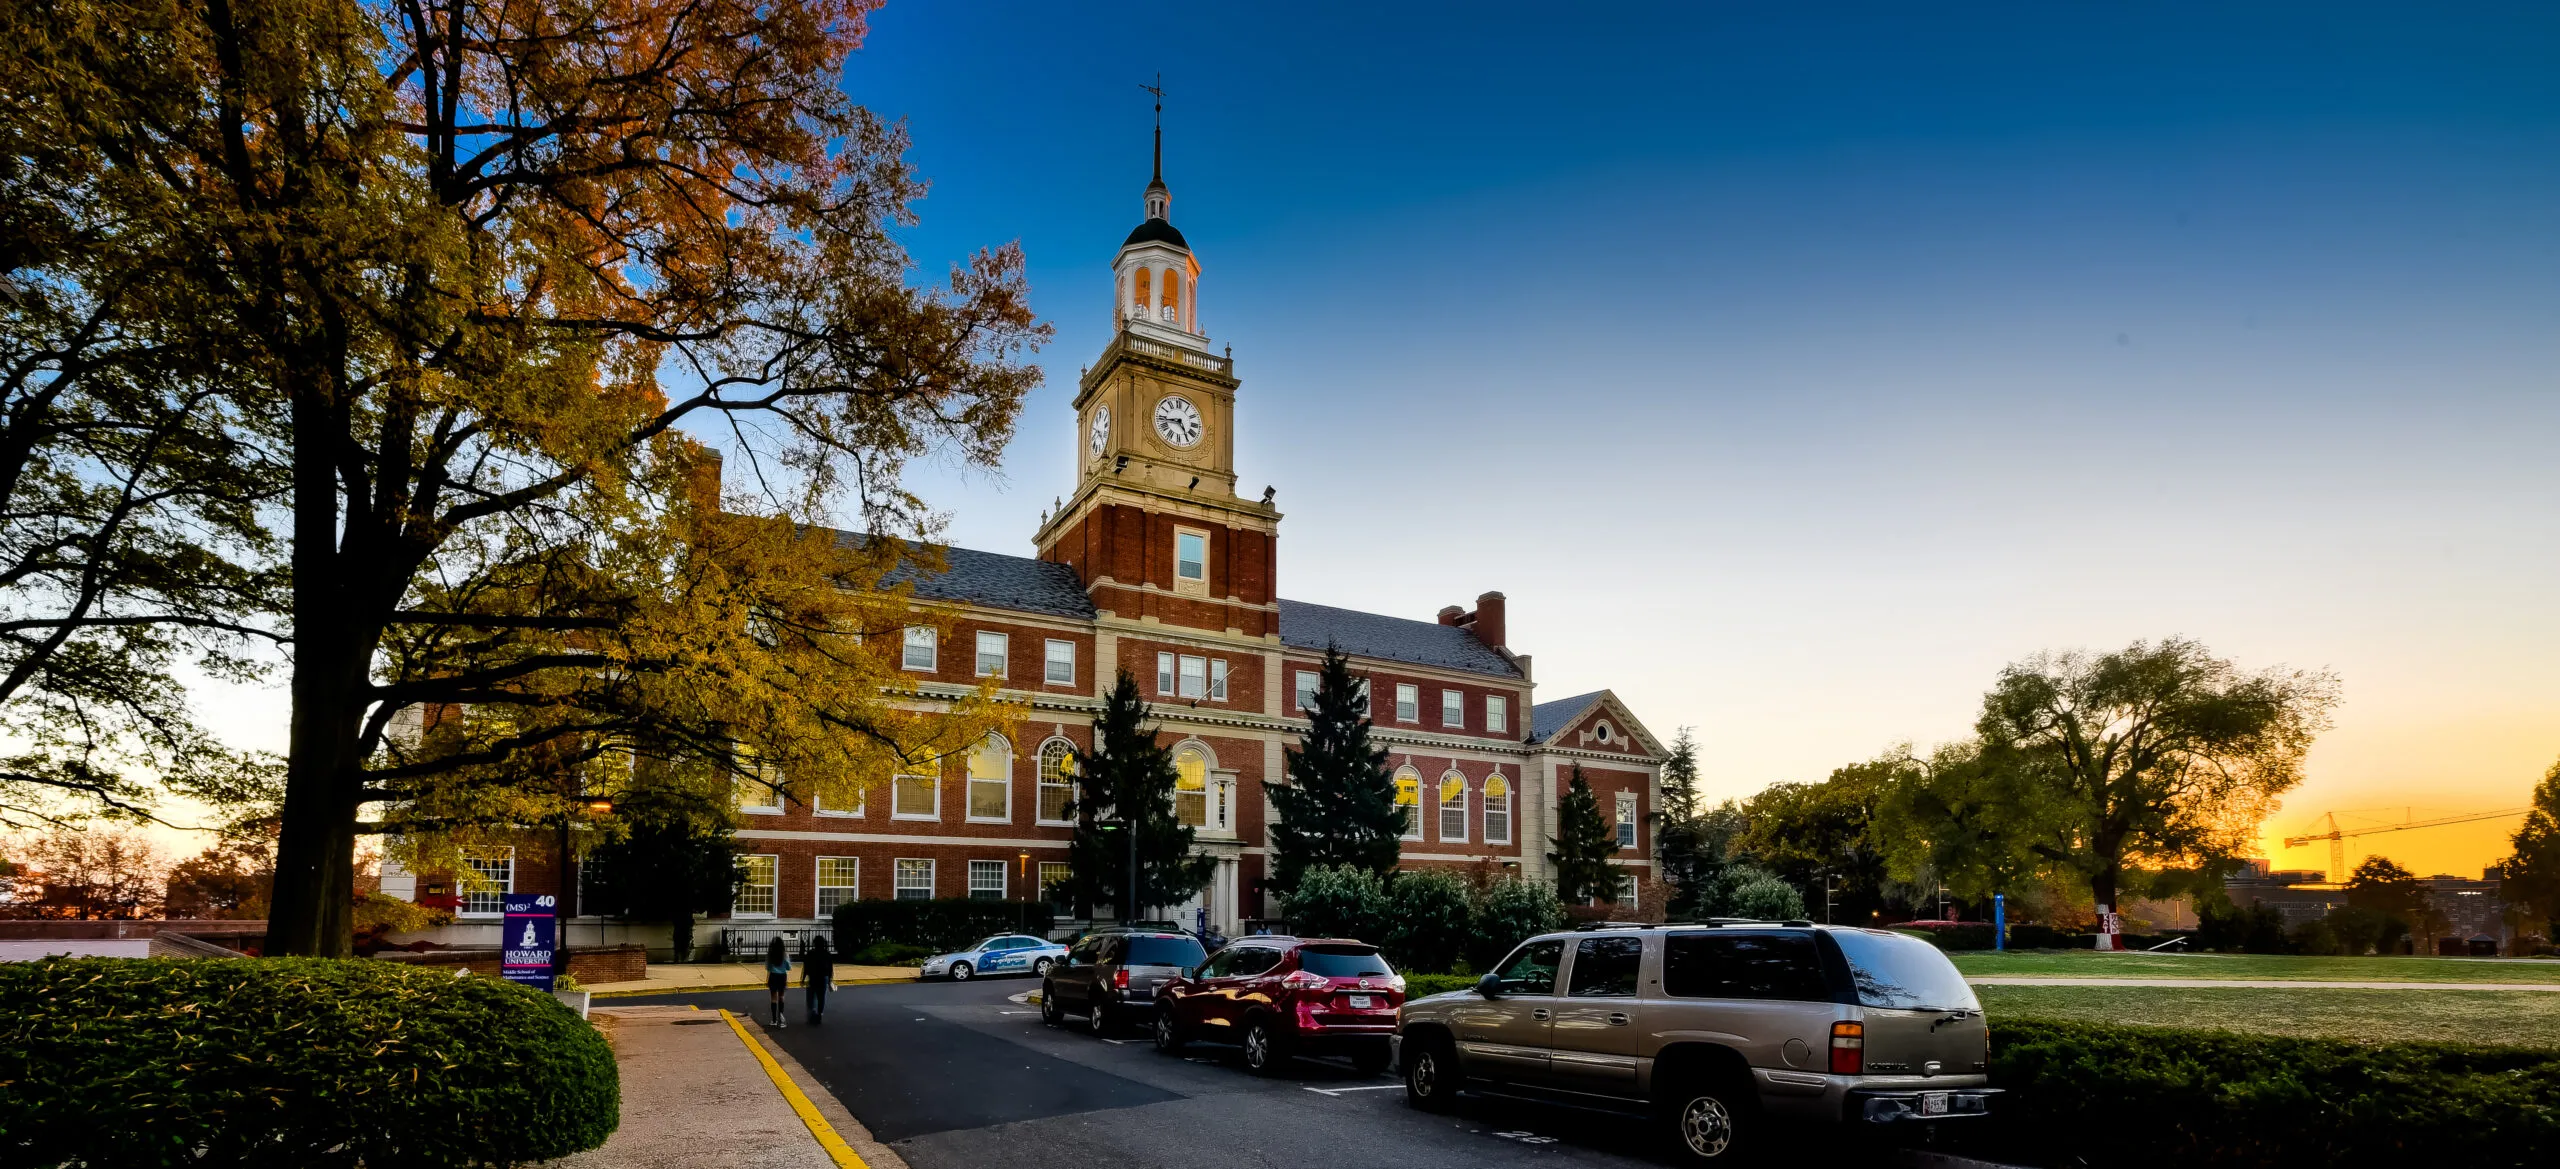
1191,787
1409,802
1057,779
1146,292
1497,810
1453,806
991,779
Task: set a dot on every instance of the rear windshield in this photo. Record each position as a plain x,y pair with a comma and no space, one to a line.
1901,972
1342,961
1164,951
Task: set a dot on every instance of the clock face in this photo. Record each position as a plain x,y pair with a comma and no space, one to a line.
1101,433
1178,421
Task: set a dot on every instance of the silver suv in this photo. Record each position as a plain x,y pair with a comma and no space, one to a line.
1713,1029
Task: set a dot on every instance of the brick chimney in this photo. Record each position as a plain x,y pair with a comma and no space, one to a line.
1487,621
1452,615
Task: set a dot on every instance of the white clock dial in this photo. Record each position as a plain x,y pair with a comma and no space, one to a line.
1101,433
1178,421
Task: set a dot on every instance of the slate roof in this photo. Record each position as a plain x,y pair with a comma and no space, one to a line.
1547,719
997,581
1396,639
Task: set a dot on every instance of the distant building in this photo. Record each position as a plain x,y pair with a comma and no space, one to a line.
2470,908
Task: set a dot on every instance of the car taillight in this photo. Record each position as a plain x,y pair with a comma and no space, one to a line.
1120,979
1848,1048
1305,980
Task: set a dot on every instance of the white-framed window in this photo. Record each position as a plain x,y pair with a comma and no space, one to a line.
1453,807
1626,819
1057,780
1366,702
1194,677
1054,876
839,881
1453,708
756,787
1218,679
1191,787
986,880
1627,891
1409,802
1408,703
1307,680
1191,556
1497,809
1497,713
1164,673
915,797
912,880
1058,662
992,654
818,804
921,642
759,883
495,873
991,781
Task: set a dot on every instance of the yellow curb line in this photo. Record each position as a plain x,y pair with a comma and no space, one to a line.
843,1153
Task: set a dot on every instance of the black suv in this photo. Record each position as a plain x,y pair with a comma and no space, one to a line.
1112,977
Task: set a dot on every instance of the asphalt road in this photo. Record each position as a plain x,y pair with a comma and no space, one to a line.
958,1076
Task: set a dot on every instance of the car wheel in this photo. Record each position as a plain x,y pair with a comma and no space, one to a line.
1372,1058
960,972
1098,1019
1050,1012
1264,1050
1430,1073
1710,1123
1041,967
1169,1036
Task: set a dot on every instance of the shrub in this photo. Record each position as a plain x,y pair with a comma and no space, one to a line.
940,924
1418,985
2027,935
2218,1099
889,954
2251,929
291,1061
1766,898
1510,912
1337,901
1951,935
1430,917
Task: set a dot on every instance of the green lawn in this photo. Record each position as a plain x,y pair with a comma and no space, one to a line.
2091,964
2487,1017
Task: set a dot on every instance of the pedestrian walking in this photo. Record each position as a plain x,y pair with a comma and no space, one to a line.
817,977
777,975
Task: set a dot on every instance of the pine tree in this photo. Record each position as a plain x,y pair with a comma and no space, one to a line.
1339,804
1691,857
1584,843
1129,776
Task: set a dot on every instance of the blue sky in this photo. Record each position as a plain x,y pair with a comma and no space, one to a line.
1791,371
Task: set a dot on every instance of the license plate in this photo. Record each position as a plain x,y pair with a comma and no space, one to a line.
1362,1002
1933,1104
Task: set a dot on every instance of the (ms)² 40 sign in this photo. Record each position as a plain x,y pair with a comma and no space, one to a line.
531,930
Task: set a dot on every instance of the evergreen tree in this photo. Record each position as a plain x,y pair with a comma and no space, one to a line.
1692,856
1128,777
1339,804
1584,844
677,857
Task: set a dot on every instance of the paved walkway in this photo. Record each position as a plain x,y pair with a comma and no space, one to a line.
734,975
694,1094
2257,983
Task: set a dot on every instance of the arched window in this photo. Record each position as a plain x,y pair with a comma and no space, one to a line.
1172,298
1453,806
991,780
1147,293
1191,787
1409,802
1497,809
1057,779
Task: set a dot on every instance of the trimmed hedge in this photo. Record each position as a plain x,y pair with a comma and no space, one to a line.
1418,985
2126,1096
944,923
1950,935
291,1061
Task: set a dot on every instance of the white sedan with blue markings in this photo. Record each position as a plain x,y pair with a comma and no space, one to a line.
1001,954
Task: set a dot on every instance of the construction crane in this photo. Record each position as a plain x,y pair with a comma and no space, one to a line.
2337,837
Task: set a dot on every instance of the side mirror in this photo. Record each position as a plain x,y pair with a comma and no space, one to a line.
1490,986
1188,972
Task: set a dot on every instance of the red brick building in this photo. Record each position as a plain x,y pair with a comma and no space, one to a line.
1154,565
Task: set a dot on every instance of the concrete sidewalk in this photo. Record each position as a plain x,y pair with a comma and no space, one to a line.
694,1094
693,976
2257,983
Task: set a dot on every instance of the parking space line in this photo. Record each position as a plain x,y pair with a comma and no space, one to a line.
1339,1091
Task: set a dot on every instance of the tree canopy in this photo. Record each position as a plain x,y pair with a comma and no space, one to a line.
1338,806
1586,847
2530,877
1125,786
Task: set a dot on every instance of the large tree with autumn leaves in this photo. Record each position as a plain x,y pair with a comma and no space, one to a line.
472,277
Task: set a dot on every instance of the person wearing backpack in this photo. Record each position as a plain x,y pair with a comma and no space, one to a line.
777,975
817,977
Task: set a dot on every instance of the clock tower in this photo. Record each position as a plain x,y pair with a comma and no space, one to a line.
1155,529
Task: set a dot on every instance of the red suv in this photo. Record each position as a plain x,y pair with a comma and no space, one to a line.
1284,997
